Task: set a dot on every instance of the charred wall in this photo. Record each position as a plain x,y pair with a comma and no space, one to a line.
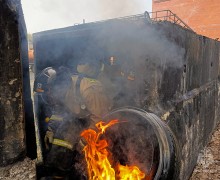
191,93
12,134
16,113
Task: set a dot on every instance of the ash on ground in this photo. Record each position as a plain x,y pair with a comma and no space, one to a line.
23,170
208,166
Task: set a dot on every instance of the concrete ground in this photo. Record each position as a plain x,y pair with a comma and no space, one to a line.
208,166
22,170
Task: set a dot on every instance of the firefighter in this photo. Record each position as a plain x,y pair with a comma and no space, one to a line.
42,93
118,81
83,103
86,97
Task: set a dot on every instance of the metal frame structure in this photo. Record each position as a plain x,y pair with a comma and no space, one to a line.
157,16
167,15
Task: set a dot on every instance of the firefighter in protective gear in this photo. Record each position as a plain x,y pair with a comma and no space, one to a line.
47,104
62,139
86,97
42,93
83,103
50,86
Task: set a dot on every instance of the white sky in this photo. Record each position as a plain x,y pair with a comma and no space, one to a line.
43,15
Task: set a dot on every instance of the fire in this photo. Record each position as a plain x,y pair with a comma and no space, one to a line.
131,173
97,157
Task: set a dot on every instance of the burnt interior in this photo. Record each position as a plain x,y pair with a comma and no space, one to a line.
133,142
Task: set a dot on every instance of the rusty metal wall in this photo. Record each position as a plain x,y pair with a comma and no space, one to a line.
12,127
190,95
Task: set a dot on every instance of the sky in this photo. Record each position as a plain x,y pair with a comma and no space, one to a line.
41,15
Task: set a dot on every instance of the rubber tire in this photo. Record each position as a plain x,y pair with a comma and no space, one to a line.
169,161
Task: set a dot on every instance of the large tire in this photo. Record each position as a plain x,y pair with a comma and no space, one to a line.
168,151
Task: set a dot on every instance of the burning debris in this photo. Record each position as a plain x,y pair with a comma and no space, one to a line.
97,157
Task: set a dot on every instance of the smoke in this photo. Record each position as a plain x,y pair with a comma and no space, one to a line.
136,41
50,14
140,49
98,8
113,8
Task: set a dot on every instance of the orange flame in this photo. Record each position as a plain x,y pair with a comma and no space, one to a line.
96,155
131,173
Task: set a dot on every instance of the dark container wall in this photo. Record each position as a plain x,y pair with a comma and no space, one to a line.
17,137
12,133
195,112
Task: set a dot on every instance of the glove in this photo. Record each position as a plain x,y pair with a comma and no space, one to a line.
48,139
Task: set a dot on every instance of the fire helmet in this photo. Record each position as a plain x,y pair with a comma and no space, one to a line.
41,82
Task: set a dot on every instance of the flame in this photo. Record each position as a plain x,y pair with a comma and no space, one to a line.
97,157
131,173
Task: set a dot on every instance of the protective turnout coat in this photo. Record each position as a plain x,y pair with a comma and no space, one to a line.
85,100
89,100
